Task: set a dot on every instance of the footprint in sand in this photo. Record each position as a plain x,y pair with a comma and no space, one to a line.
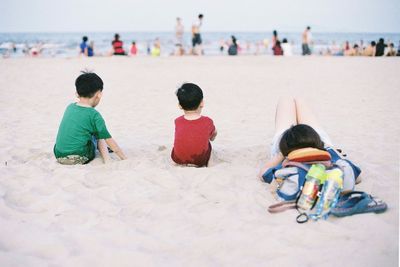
161,148
95,180
25,202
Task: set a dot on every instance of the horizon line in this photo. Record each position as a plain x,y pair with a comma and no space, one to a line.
212,31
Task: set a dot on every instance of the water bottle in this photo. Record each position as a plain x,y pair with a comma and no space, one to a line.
330,194
314,178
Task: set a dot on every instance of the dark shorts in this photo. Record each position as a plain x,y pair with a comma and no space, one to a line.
196,40
306,49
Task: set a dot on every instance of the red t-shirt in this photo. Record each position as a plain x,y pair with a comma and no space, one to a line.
192,141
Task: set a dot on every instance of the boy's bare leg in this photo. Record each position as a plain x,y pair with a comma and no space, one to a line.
102,146
285,115
305,115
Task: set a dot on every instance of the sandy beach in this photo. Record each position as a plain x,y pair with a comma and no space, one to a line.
145,211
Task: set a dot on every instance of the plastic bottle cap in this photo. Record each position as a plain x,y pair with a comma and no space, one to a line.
318,172
336,175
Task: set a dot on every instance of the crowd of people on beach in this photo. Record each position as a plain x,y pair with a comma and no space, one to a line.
232,47
153,49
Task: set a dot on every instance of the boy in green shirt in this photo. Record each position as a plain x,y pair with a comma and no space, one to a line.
82,128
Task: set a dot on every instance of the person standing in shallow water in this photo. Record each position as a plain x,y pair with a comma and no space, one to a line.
306,41
196,37
274,38
179,30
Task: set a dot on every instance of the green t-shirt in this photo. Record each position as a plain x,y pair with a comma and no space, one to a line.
77,128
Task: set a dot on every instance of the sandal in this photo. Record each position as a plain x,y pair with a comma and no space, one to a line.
357,202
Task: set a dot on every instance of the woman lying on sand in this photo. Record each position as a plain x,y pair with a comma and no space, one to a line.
296,127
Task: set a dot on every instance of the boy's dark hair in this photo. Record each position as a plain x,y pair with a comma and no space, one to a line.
284,40
190,96
88,83
201,16
84,38
308,28
299,136
116,36
373,43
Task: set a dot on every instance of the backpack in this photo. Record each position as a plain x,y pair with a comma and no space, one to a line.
290,175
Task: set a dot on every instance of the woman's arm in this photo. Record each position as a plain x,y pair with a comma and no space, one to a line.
271,163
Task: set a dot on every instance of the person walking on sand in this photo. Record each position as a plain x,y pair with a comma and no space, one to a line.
306,41
196,37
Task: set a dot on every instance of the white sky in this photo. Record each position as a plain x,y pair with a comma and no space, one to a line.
220,15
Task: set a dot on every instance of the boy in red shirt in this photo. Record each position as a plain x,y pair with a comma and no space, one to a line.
193,132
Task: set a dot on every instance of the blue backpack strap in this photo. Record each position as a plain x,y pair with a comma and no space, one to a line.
269,175
301,178
350,170
334,155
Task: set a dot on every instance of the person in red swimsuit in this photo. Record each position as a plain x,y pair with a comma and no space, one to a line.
118,46
193,132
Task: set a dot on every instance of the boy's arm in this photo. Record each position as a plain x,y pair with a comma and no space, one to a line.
271,163
214,134
114,146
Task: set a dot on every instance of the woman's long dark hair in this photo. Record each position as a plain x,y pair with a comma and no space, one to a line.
299,136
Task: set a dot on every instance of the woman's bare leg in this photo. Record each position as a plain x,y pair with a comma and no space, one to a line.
285,115
305,115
